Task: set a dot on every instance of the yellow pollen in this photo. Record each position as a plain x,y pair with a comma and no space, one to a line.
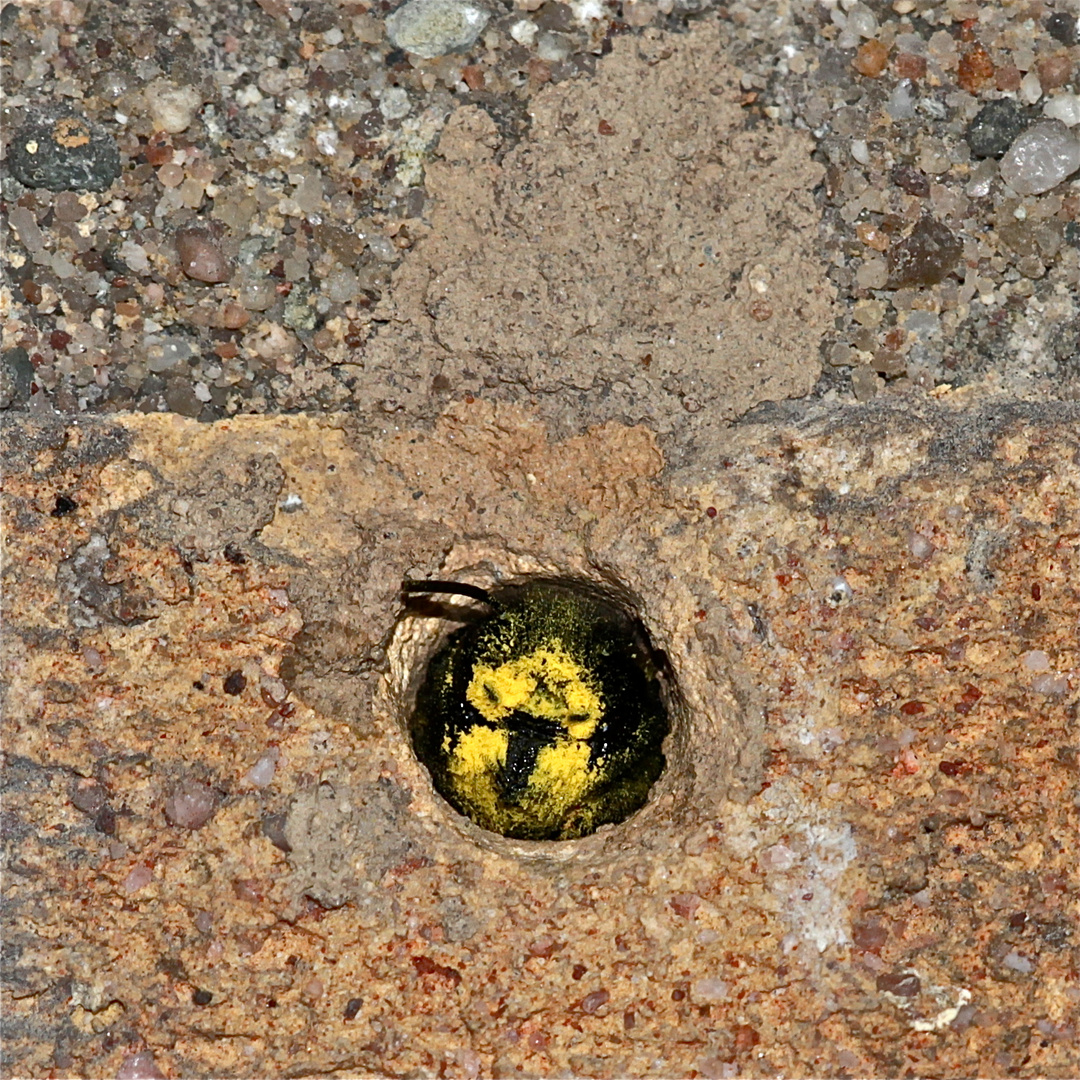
547,683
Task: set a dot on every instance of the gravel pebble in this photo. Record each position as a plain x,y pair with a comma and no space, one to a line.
16,377
64,152
1016,961
262,772
191,805
89,797
166,353
201,258
431,28
138,878
1041,158
1064,107
1062,27
1036,660
710,989
140,1066
172,107
1050,685
994,128
25,224
925,257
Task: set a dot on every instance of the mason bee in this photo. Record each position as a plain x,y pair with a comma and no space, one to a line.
543,718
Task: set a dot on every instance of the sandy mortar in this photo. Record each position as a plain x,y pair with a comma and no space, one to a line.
223,857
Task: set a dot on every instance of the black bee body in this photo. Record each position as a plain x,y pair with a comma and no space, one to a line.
545,719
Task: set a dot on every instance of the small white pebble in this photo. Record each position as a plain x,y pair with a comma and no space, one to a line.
862,21
139,877
919,546
1036,660
394,103
524,32
262,772
901,104
710,990
1050,685
171,107
135,256
1064,107
1040,158
248,96
553,48
1030,88
778,857
382,248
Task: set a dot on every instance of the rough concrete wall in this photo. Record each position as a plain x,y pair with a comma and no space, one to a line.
222,857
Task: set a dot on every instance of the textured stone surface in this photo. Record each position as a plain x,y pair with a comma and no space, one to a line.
861,859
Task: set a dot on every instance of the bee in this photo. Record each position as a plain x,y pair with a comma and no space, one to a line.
543,718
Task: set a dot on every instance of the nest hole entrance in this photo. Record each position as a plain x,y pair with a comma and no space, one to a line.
539,708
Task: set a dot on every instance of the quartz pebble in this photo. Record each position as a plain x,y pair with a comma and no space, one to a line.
919,546
710,989
191,805
431,28
1036,660
140,1066
161,355
171,107
262,772
1064,107
138,878
1041,158
1052,685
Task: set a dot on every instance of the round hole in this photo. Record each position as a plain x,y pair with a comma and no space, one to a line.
543,716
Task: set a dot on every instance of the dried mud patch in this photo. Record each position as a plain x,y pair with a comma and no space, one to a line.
645,254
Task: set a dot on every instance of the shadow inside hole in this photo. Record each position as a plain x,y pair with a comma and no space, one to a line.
541,711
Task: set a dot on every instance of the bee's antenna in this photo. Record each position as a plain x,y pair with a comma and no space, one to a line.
458,588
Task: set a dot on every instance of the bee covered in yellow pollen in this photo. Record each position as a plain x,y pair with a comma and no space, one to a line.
545,719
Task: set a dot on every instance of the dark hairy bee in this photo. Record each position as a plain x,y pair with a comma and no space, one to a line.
544,719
